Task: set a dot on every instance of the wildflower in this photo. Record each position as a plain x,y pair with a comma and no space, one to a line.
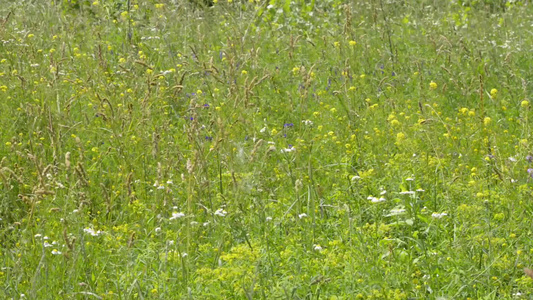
524,103
268,219
356,177
220,212
336,44
396,211
420,190
407,193
530,172
46,244
317,248
493,93
92,232
487,121
55,252
352,43
301,216
177,215
432,85
376,200
290,149
38,235
529,158
307,122
438,215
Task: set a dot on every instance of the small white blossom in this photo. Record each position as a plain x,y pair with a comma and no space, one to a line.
288,150
512,159
38,235
302,215
55,252
263,130
356,177
397,211
438,215
220,212
268,219
317,248
407,193
409,179
383,192
92,232
158,229
46,245
420,190
177,215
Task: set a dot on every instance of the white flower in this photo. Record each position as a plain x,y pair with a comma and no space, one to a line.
220,212
397,211
170,181
161,187
38,235
177,215
376,200
407,193
263,130
383,192
317,248
75,211
409,179
92,232
356,177
438,215
46,245
184,254
171,242
55,252
158,229
288,150
308,122
512,159
268,219
420,190
302,215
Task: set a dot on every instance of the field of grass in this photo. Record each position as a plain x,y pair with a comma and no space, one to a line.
327,149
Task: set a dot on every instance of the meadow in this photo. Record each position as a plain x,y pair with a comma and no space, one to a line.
259,149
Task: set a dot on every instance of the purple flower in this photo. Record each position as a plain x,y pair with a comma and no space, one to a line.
529,158
206,105
530,172
288,125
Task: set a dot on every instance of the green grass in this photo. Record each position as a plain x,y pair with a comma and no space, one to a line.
266,150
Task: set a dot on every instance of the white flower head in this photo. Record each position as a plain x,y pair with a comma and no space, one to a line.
92,232
438,215
220,212
301,216
317,248
177,215
55,252
407,193
397,211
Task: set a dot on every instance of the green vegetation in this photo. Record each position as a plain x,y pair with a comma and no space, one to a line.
266,149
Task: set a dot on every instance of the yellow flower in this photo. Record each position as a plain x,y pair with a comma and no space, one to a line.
487,121
352,43
336,44
432,85
493,93
524,103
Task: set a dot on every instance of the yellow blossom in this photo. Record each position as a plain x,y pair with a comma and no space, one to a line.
432,85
